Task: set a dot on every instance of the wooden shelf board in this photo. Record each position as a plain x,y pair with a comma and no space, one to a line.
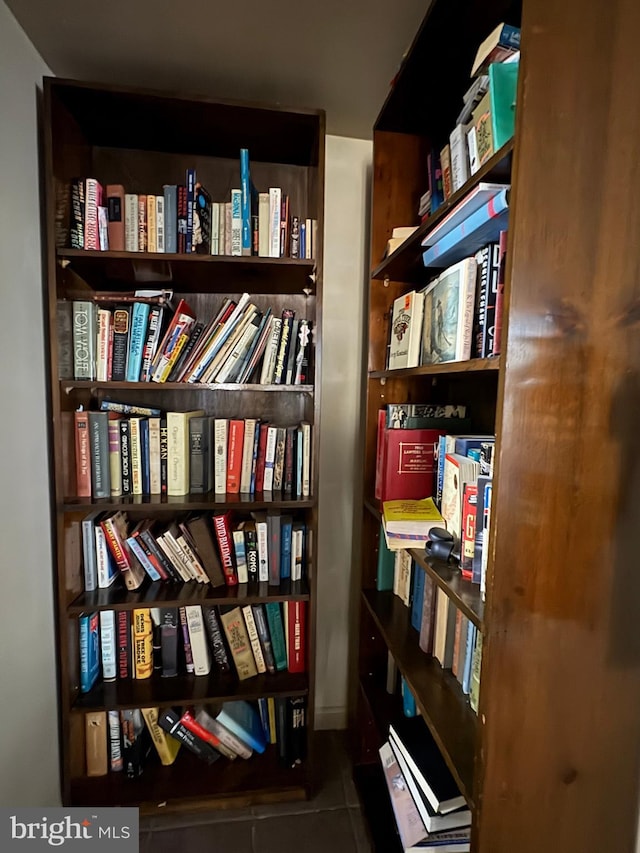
189,273
188,690
373,506
160,594
473,365
444,707
184,503
405,264
68,385
464,594
190,784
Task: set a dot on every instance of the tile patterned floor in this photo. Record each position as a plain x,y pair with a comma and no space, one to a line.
330,822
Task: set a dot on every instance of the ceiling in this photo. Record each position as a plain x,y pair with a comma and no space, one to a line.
334,54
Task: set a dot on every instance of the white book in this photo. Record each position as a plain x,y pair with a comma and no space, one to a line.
105,567
406,330
155,483
159,223
220,434
108,644
215,228
194,563
308,243
270,457
297,544
271,352
472,147
131,222
241,557
179,557
222,227
275,204
247,455
254,639
459,156
262,540
236,222
102,348
408,821
198,640
216,345
402,576
235,358
306,460
171,555
264,221
230,740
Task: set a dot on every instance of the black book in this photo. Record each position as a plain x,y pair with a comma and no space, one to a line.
426,763
250,548
282,731
77,214
216,638
202,221
136,742
291,357
259,617
169,641
197,455
289,457
164,455
279,374
169,720
297,728
121,332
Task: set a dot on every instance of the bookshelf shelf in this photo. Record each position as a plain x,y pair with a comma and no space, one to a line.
473,365
464,594
225,784
405,264
444,707
187,690
70,385
189,273
161,594
184,503
140,141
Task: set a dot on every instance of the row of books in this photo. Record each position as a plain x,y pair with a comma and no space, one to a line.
457,316
122,741
266,548
139,341
485,123
182,453
183,219
168,641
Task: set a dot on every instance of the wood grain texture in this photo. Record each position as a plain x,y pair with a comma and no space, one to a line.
561,668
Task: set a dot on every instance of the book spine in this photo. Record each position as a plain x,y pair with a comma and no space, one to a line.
131,222
262,539
124,643
89,650
151,342
239,645
182,218
166,746
164,455
160,224
296,635
108,645
283,347
220,465
135,455
170,722
96,743
191,194
225,737
269,458
107,572
214,629
251,550
125,457
276,630
115,468
236,222
121,330
499,309
77,214
197,459
286,536
271,352
306,460
83,454
116,763
241,558
245,186
93,195
252,633
302,370
184,627
234,457
102,350
89,557
223,536
84,340
142,643
275,207
273,533
171,218
139,319
198,640
262,628
142,223
99,445
146,563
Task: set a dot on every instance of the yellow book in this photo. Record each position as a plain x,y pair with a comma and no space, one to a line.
166,746
143,642
271,706
178,451
407,516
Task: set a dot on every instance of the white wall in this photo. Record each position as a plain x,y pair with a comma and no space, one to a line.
348,164
29,733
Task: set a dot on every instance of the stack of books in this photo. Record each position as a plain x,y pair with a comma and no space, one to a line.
430,812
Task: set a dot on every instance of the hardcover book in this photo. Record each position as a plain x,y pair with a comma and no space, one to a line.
239,643
241,719
448,314
406,325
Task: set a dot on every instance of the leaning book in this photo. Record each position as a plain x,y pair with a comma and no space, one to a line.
410,826
448,314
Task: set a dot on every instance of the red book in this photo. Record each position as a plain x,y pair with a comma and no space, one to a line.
234,456
189,722
296,634
262,450
222,529
468,539
83,459
497,320
382,422
408,463
115,217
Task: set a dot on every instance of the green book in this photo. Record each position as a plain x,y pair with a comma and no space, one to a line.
274,618
503,84
386,561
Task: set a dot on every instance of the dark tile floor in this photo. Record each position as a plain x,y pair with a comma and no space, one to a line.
331,821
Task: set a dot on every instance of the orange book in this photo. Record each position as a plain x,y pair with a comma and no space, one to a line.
234,456
83,459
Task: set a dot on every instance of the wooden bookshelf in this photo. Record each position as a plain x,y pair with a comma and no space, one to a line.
560,676
143,140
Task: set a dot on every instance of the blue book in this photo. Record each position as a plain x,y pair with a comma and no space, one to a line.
245,187
144,456
386,563
468,657
144,561
276,630
408,699
263,710
89,650
418,597
191,197
170,218
286,530
465,443
303,241
242,720
483,481
137,338
481,227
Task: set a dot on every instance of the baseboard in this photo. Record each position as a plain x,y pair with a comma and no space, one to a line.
331,718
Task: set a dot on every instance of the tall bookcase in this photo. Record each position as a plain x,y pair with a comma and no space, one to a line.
145,139
552,759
